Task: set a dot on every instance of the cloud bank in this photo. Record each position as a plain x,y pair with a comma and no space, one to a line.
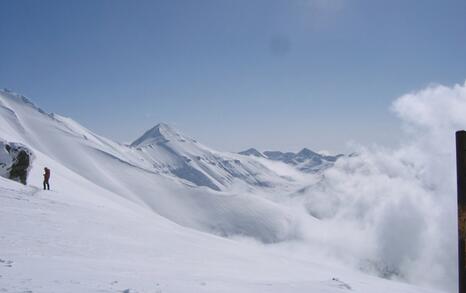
398,206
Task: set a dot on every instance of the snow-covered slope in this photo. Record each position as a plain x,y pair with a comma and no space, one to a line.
121,218
82,238
172,152
140,174
305,160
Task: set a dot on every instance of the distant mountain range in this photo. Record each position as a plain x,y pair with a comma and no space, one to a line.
162,149
170,151
305,160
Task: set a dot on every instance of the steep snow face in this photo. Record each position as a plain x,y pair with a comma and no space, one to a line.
305,160
161,133
170,174
170,151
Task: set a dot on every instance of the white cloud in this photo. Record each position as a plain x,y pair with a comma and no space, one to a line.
401,201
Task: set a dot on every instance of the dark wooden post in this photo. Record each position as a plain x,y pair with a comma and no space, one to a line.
461,185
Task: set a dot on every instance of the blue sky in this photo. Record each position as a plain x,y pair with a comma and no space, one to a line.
233,74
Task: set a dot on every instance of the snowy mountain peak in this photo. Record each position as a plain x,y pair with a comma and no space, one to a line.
12,96
160,133
305,152
252,152
161,129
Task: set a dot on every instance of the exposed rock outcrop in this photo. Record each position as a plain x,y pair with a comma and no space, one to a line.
15,161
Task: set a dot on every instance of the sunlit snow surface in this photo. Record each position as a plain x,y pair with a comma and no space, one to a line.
83,238
150,218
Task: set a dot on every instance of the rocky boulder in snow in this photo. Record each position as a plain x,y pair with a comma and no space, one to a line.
15,161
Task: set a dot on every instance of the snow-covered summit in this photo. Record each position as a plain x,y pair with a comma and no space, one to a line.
12,96
161,133
305,152
170,151
252,152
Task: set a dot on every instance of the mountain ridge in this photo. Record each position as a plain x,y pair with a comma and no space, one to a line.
160,133
305,160
147,209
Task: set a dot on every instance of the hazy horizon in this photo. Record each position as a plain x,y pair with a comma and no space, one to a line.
278,75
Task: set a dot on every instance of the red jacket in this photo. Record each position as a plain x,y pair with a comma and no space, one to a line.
46,174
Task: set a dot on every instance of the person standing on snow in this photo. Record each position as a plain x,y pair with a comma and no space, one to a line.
46,178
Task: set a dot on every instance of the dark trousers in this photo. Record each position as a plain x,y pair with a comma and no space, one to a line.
46,184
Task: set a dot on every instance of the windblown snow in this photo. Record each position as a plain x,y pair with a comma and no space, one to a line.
168,214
